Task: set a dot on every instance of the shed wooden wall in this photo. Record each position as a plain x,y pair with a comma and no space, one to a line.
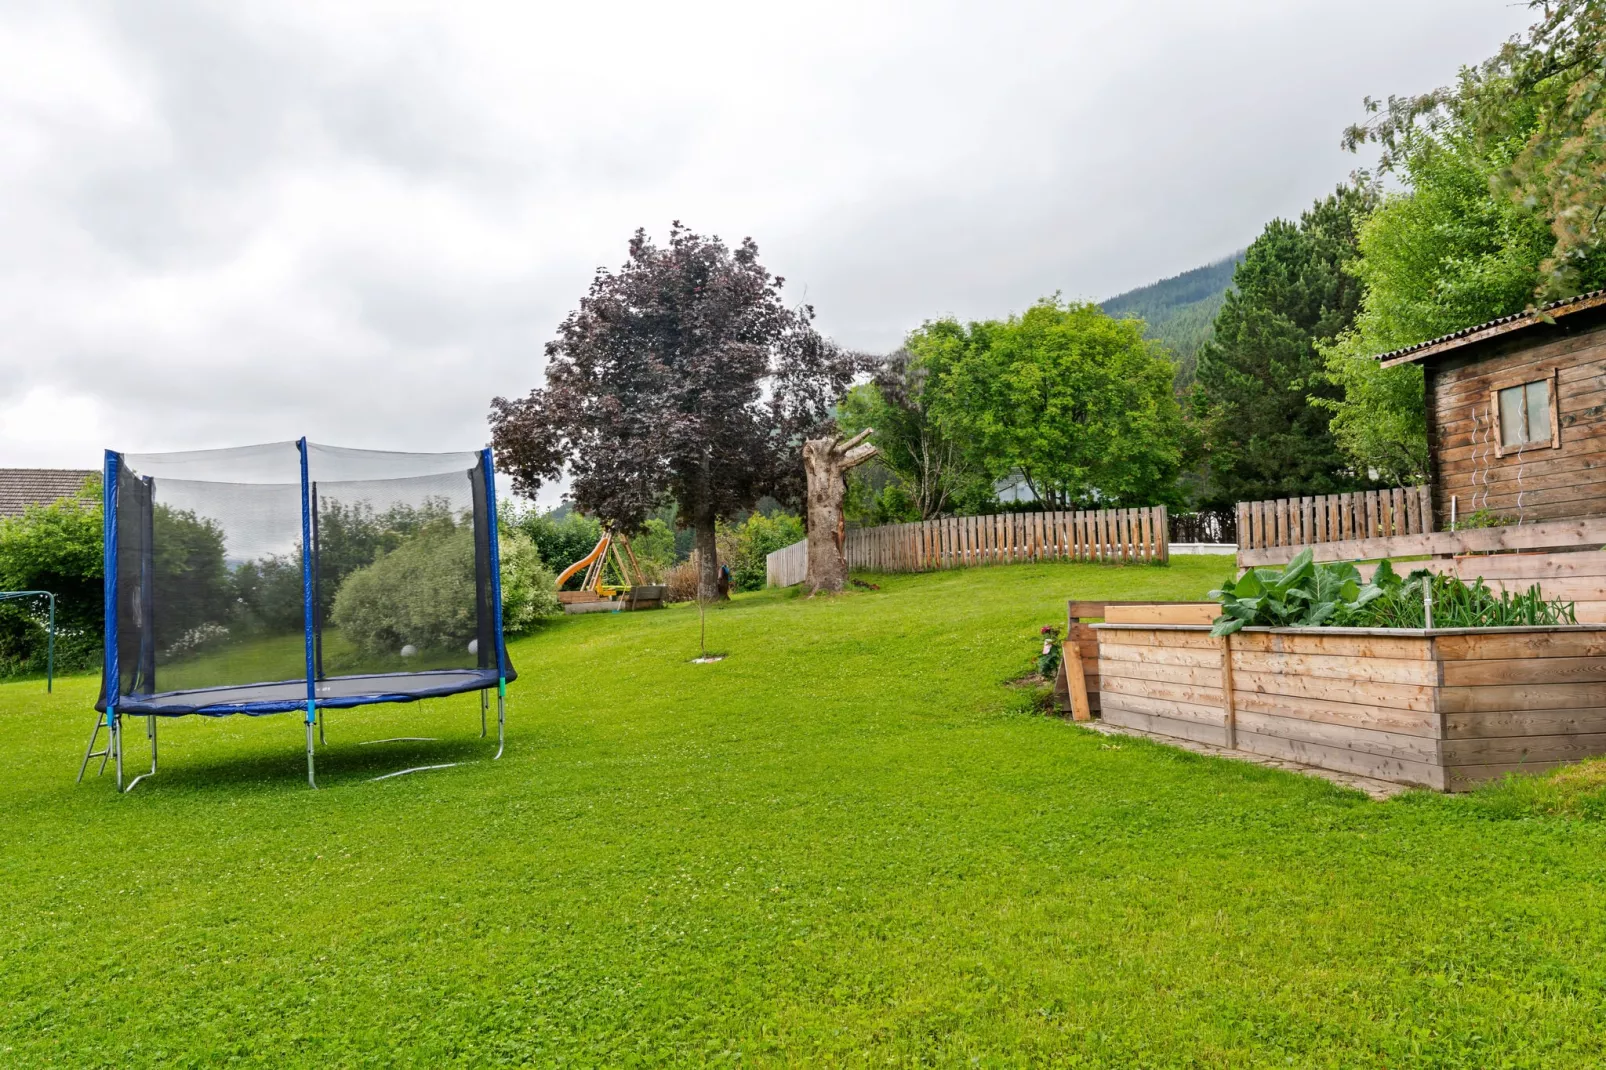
1539,483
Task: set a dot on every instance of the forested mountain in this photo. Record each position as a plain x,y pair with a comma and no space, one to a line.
1180,310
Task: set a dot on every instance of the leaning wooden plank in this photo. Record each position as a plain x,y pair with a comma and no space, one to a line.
1076,680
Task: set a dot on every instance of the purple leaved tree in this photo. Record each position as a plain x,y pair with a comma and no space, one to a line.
682,376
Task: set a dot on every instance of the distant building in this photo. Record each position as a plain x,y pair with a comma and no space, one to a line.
22,487
1516,413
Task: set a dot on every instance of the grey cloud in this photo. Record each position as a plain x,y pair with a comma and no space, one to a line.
296,218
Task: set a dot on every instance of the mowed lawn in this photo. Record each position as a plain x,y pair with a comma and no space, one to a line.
846,844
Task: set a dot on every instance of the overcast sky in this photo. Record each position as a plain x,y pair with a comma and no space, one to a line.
235,222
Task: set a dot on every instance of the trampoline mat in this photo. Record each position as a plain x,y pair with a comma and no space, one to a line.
338,692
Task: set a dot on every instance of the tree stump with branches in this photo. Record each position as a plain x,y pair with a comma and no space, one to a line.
825,464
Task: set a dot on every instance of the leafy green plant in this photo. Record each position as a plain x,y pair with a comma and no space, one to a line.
1482,518
1305,594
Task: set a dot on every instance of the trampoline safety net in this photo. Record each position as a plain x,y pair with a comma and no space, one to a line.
259,579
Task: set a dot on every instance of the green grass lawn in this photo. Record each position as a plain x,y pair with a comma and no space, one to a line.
845,844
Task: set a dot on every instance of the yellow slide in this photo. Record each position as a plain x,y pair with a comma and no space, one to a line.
585,562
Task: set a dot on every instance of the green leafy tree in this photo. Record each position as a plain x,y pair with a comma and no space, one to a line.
745,546
561,537
1531,123
191,582
933,471
1262,436
1078,403
1502,208
56,548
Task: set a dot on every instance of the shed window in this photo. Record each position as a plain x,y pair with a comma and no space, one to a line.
1525,414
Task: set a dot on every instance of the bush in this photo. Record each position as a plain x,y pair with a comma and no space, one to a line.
561,540
753,541
680,583
529,592
421,594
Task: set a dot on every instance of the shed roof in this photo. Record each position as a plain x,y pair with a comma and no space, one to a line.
22,487
1517,321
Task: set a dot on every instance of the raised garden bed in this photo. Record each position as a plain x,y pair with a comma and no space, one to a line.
1443,708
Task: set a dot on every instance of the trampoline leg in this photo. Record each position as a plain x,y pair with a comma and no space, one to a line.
91,752
117,741
485,702
501,723
321,715
312,780
150,730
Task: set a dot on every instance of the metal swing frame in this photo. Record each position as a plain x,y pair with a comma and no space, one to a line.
112,721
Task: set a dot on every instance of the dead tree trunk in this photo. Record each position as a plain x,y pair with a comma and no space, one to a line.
825,463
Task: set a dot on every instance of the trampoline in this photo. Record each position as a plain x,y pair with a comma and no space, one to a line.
296,577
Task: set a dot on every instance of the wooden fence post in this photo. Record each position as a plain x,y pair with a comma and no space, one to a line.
1229,705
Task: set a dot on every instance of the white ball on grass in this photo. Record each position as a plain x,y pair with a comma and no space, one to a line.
409,651
473,646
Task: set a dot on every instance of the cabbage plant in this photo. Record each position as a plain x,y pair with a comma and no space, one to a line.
1301,594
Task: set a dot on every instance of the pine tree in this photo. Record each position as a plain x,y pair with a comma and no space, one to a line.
1262,436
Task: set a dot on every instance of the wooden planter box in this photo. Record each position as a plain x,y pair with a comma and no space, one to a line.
1446,708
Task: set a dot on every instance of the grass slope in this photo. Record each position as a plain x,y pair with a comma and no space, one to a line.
844,844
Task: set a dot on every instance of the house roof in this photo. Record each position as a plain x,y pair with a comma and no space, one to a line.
1517,321
22,487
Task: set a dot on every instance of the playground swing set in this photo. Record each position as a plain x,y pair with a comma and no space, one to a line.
596,594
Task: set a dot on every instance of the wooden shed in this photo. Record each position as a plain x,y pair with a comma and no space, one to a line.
1516,414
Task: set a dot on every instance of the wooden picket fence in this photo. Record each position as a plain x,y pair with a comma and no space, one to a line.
1372,514
1108,535
787,566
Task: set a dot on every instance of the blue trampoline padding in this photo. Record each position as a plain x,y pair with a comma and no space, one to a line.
286,696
